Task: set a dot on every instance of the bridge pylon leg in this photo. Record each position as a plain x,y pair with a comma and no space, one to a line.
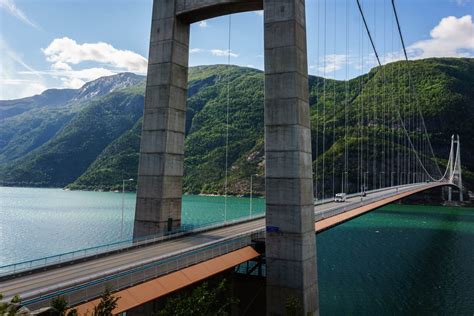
160,171
290,243
458,170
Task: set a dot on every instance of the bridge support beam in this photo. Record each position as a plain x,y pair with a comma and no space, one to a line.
291,243
162,144
291,247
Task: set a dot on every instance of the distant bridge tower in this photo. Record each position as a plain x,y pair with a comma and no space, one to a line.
291,246
455,169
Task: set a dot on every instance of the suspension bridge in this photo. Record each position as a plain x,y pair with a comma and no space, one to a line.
385,136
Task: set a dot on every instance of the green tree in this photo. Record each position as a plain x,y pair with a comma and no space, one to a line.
293,306
9,308
60,305
107,304
200,302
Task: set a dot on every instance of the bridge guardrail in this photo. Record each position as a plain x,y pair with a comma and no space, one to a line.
364,201
351,195
93,286
45,262
61,258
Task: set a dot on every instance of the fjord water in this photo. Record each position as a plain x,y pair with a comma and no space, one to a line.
399,260
409,260
35,223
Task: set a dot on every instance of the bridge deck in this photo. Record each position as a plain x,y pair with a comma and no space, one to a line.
151,290
39,288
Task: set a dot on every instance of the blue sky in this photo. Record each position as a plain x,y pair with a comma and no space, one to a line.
65,43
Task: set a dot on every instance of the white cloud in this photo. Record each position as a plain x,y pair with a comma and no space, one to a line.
64,50
11,8
16,88
13,84
391,57
64,53
452,37
77,78
61,66
332,62
17,79
214,52
196,50
461,3
222,53
203,24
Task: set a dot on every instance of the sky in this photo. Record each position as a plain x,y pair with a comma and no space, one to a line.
65,43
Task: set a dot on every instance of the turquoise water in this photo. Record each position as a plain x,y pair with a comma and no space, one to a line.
36,223
399,260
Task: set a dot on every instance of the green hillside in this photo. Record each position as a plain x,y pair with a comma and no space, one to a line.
99,146
66,156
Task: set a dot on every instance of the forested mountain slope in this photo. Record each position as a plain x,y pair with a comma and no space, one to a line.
96,145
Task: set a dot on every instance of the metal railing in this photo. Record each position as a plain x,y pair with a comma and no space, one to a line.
351,195
118,246
320,215
85,253
81,290
93,286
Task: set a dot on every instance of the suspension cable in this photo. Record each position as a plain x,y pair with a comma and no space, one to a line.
227,120
399,115
409,73
324,104
346,162
318,97
334,111
368,32
374,125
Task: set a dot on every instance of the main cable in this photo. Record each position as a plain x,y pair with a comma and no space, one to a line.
409,73
399,115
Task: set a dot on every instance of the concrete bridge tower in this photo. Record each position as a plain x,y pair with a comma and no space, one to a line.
291,246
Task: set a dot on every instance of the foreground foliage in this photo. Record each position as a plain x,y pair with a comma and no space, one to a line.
201,301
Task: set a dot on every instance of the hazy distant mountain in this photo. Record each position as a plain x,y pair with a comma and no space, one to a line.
105,85
49,98
28,123
90,139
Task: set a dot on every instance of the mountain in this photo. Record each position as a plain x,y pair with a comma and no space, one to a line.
95,141
51,98
28,123
106,85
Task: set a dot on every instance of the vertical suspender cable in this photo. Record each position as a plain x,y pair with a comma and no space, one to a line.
362,112
334,109
375,123
399,128
392,121
318,97
384,134
345,175
324,104
227,121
